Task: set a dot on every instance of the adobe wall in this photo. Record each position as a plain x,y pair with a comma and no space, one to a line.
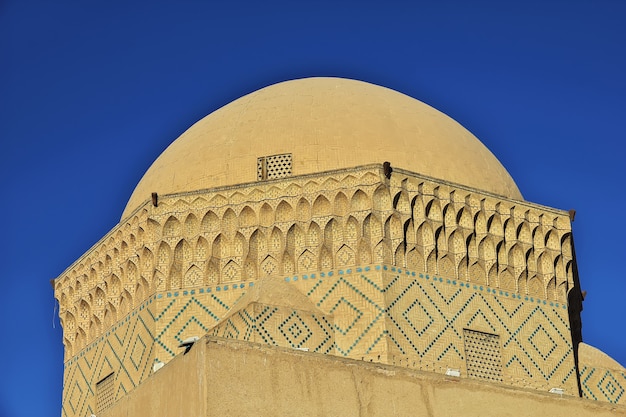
225,377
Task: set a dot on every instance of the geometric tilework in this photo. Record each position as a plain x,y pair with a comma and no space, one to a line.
392,315
375,313
279,326
182,315
120,359
603,385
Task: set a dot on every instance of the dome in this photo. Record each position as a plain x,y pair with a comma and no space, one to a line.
325,124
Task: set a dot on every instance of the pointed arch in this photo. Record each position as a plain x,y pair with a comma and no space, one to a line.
393,227
332,235
192,226
219,247
360,201
480,223
314,236
247,217
321,207
303,210
364,252
522,283
552,240
266,215
84,313
163,258
116,286
449,216
381,200
250,271
231,272
446,267
492,276
284,212
193,277
523,233
433,210
212,275
158,281
276,243
141,290
462,270
545,266
401,202
181,256
566,245
345,256
326,259
551,290
516,257
100,300
239,247
126,302
202,251
269,266
229,222
131,273
507,282
146,262
535,288
172,227
295,240
110,316
288,264
340,204
210,222
258,245
153,230
306,261
372,229
456,243
425,236
400,255
477,273
382,252
494,225
417,208
464,218
510,231
431,262
351,231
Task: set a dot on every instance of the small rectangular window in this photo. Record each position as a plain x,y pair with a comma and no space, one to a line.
105,393
483,355
274,166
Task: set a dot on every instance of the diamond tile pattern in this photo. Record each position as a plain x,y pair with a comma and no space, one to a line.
603,385
374,313
279,326
125,352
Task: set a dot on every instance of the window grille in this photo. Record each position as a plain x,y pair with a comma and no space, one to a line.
274,166
483,355
105,393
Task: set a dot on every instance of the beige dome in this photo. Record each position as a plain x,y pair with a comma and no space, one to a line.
595,358
326,124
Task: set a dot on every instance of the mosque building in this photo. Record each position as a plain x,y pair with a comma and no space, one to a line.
324,247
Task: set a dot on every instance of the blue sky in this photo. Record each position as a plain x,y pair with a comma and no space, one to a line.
92,92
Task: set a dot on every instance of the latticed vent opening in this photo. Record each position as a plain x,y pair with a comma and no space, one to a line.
483,355
274,166
105,392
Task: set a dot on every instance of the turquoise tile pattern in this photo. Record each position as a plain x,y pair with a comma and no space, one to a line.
376,313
